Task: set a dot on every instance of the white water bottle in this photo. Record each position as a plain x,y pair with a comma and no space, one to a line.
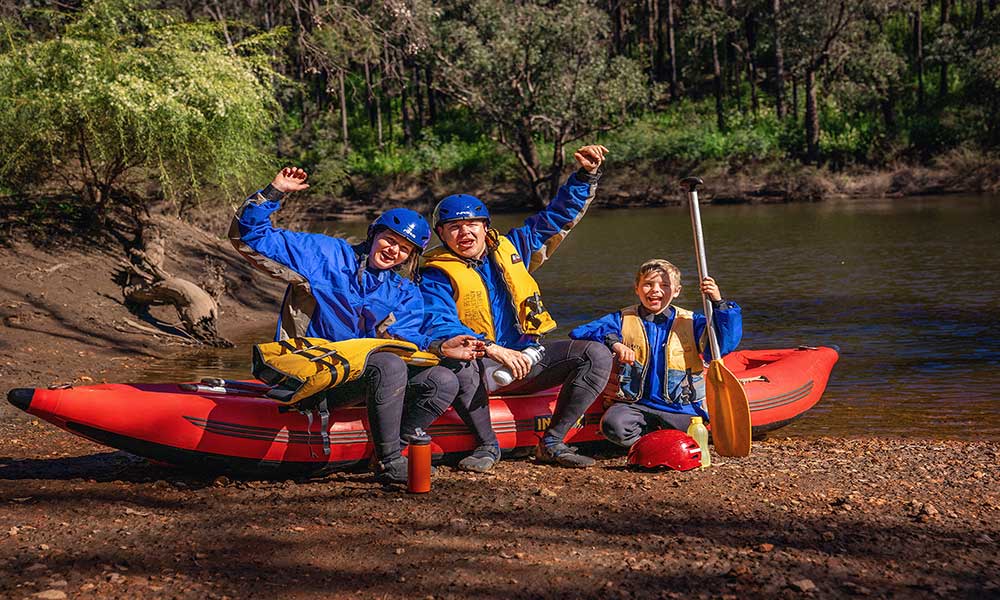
503,376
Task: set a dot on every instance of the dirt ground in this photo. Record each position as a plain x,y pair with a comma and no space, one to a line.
824,518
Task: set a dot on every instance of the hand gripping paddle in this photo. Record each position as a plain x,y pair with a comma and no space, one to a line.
728,409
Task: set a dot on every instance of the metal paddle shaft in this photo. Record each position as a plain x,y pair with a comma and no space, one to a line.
691,185
728,408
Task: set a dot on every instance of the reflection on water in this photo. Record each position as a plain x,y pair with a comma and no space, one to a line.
909,290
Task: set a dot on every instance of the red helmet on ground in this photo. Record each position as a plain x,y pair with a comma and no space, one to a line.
666,448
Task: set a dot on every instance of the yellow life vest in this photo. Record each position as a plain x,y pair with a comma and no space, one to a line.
682,351
473,299
308,366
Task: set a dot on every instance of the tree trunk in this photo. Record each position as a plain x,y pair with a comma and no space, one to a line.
672,49
558,164
795,99
720,117
346,141
751,31
387,90
418,94
148,283
918,34
812,118
369,95
660,37
651,38
779,63
733,67
431,96
378,114
405,111
527,155
615,10
977,19
945,19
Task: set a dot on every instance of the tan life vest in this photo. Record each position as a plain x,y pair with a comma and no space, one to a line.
682,351
473,299
308,366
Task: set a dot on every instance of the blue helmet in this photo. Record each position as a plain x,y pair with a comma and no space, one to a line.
405,222
460,207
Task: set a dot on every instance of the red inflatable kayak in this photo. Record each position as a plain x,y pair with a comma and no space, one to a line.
230,426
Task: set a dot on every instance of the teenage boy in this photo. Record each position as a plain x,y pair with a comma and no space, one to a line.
661,347
479,282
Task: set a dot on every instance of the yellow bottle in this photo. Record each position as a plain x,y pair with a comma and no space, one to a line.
698,431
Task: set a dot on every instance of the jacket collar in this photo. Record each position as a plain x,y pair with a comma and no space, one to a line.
657,318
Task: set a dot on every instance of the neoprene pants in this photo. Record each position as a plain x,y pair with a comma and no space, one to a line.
582,368
384,387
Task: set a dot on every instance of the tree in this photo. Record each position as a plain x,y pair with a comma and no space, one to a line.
982,64
779,62
710,24
539,72
819,35
120,89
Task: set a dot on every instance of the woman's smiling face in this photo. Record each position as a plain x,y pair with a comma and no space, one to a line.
389,249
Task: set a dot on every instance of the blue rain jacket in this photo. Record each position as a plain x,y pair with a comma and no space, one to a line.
340,304
535,241
608,329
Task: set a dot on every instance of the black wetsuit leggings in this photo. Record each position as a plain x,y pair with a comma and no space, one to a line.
581,367
385,386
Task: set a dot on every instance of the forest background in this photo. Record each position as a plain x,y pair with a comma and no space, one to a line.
123,103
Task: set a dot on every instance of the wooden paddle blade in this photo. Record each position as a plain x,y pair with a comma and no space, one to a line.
728,411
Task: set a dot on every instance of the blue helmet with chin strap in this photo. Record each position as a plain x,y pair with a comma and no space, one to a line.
405,222
460,207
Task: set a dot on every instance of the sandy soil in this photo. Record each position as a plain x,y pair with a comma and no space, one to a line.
822,518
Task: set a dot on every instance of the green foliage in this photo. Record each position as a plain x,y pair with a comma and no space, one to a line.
432,155
115,97
540,71
686,132
122,89
541,63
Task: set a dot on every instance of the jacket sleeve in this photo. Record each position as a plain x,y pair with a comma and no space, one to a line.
606,330
542,232
728,329
409,317
440,312
276,251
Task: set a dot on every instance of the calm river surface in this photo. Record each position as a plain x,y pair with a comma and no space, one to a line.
908,289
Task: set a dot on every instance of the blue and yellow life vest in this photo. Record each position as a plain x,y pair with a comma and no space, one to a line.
308,366
683,379
473,299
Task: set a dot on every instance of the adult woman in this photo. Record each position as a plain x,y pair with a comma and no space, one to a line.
338,291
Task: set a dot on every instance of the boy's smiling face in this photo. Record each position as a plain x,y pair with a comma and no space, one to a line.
656,291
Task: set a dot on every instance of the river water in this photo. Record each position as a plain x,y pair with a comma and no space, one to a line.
908,289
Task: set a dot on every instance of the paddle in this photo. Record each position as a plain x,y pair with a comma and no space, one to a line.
725,397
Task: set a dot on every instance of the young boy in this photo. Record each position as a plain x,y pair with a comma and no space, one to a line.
660,347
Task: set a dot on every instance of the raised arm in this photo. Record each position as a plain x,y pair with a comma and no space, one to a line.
542,232
285,255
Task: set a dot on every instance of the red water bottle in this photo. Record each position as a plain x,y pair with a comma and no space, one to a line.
418,467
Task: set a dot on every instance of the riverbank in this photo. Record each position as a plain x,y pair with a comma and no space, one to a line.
655,183
817,517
